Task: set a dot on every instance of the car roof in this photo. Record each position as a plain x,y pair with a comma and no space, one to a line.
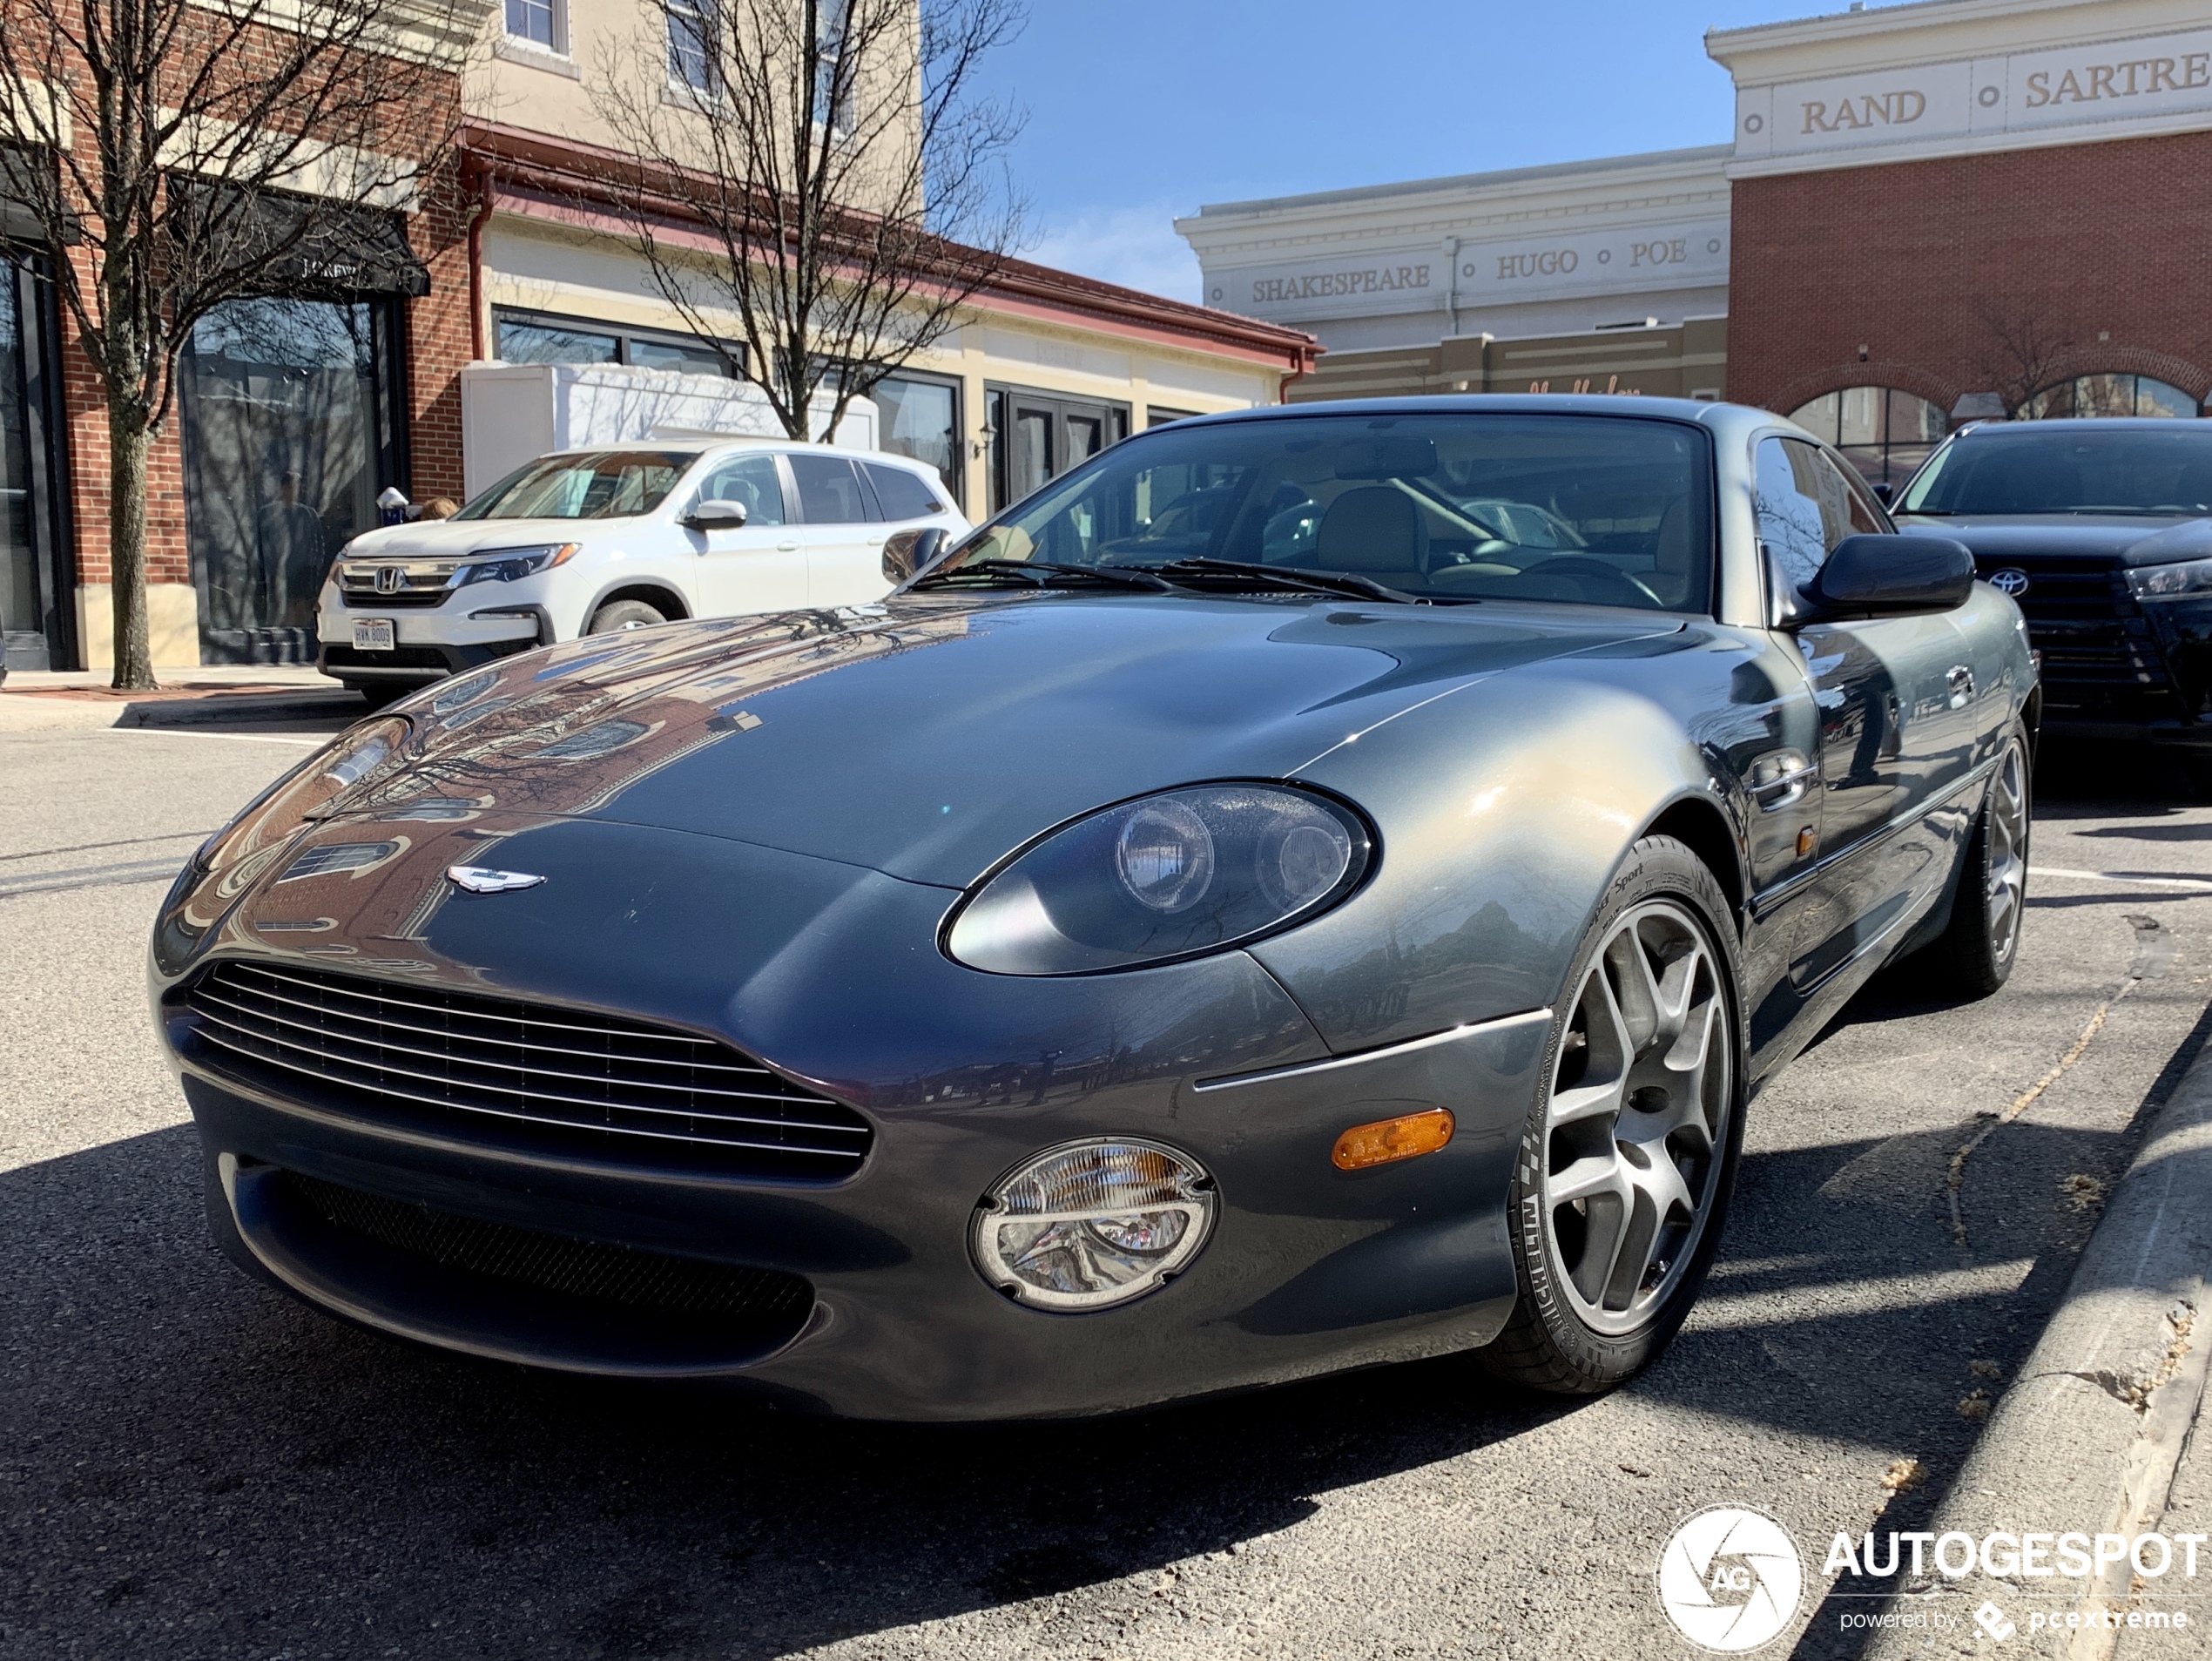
1984,431
694,447
1626,407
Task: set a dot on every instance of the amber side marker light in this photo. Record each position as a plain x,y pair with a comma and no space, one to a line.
1387,1140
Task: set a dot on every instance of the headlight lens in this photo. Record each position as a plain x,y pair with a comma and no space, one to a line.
2185,581
1173,875
507,564
1094,1224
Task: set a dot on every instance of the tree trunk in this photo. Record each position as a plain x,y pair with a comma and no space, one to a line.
128,446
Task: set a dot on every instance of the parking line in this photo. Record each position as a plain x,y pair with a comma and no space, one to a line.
236,737
2197,884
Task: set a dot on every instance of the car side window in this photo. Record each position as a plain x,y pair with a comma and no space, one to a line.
829,491
1806,506
903,495
748,479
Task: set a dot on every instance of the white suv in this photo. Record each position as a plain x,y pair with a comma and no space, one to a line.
586,542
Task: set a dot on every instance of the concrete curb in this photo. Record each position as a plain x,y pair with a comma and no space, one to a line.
26,714
2085,1439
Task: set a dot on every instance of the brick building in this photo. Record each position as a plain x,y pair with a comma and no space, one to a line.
1926,214
292,416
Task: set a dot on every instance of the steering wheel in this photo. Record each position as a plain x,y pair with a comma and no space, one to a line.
1572,566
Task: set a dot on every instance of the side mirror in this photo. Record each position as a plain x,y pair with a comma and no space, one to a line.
910,552
1885,493
1879,577
718,514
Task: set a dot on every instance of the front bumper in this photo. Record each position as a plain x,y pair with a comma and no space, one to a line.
829,974
429,643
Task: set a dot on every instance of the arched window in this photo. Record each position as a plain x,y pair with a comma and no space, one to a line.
2108,395
1884,431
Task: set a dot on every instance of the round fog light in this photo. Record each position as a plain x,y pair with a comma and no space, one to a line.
1093,1224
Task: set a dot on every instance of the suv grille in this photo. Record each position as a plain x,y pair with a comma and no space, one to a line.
564,1080
2099,662
555,1262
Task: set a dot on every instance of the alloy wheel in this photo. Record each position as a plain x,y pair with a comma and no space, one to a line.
2006,875
1638,1118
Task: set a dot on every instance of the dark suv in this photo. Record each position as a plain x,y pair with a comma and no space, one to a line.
2101,531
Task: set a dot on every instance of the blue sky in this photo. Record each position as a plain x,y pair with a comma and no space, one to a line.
1141,110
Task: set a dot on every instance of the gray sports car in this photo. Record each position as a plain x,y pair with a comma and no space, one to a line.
1310,887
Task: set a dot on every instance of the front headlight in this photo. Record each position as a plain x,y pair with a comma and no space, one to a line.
508,565
1094,1224
2185,581
1169,876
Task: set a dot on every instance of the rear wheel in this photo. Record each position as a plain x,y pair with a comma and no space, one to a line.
617,615
1976,951
1630,1152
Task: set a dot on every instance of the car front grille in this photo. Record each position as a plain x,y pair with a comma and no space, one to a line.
365,600
2099,661
559,1264
564,1080
338,657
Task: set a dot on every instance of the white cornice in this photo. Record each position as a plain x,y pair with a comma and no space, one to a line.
1934,31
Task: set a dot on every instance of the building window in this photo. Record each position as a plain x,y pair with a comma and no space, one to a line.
2108,395
534,337
919,416
541,23
1035,437
690,44
834,77
1884,432
1156,416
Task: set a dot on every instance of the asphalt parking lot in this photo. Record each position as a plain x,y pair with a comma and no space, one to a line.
193,1466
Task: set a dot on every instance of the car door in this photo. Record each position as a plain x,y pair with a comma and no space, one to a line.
1896,736
843,530
761,567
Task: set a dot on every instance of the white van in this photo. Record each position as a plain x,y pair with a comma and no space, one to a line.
585,542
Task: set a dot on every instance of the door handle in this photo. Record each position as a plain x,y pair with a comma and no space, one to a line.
1779,779
786,547
1961,682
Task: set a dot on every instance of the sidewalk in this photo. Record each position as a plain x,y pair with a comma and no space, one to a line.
66,700
2102,1434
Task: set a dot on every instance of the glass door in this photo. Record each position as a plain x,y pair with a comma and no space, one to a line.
1034,437
288,435
34,628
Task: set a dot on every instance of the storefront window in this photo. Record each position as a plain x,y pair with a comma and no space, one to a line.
287,442
19,607
1884,432
2108,395
532,338
921,419
1037,436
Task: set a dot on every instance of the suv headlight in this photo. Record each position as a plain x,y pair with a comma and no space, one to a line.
507,564
1093,1224
1163,877
2181,582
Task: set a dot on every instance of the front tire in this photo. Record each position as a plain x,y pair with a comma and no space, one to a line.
617,615
1630,1151
1975,953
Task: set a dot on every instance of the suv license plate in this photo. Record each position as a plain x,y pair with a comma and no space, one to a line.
373,634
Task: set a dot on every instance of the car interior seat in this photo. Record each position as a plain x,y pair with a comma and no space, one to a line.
1379,532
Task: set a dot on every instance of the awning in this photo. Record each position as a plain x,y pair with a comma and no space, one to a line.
301,246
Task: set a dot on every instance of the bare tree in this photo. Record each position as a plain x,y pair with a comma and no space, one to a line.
819,177
173,155
2018,352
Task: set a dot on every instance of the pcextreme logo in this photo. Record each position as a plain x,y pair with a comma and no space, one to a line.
1730,1579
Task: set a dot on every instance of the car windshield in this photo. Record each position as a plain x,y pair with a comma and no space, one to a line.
604,484
1589,510
2119,468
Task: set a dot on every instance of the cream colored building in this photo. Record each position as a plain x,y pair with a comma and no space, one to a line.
1044,369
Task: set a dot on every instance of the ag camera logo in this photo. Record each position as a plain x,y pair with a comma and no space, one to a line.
1730,1579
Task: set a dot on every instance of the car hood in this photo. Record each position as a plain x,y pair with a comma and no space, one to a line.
2117,539
929,736
444,538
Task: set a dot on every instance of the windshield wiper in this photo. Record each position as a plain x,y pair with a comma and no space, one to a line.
1278,577
1039,574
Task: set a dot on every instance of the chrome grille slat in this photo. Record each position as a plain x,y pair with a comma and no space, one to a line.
393,1049
392,992
516,1044
433,1101
382,1066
